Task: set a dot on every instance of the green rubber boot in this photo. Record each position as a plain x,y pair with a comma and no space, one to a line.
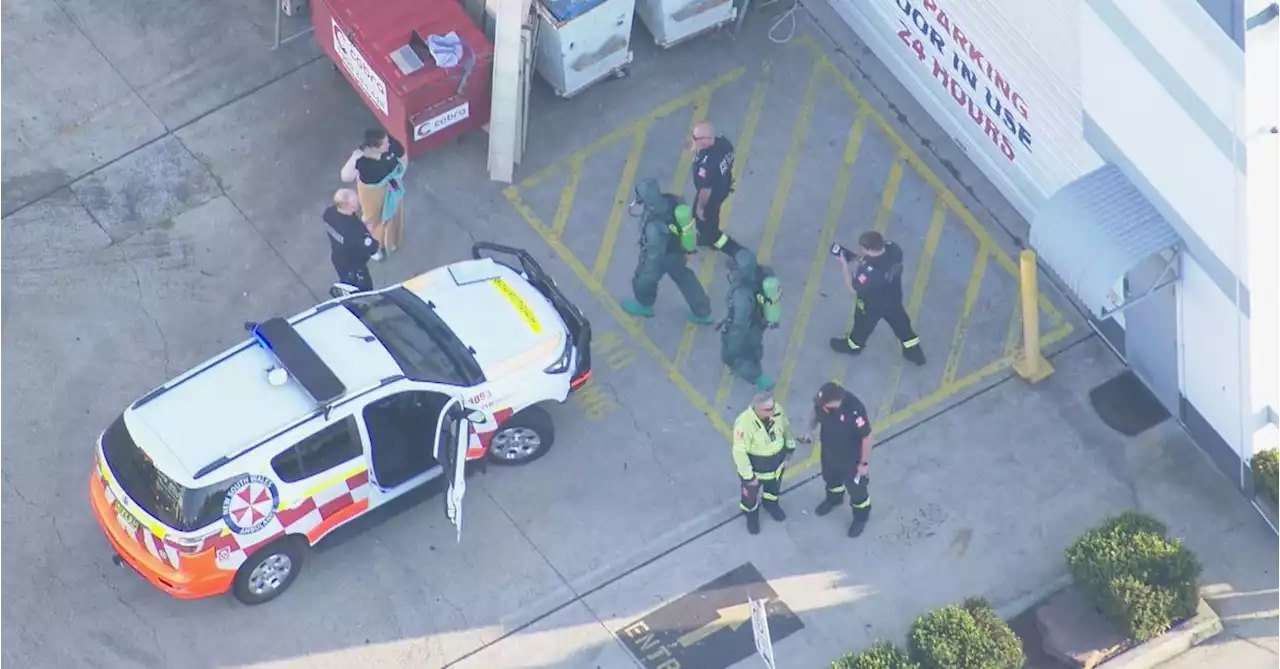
636,309
700,320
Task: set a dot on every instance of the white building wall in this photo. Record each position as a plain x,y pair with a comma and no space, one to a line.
1209,352
1062,59
1000,76
1262,109
1175,155
1196,183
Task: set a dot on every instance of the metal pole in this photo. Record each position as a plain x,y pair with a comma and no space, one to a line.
277,44
1030,363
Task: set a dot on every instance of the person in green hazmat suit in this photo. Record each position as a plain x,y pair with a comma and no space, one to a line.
667,235
742,330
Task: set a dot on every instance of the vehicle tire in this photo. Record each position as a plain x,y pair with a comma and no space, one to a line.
523,438
269,571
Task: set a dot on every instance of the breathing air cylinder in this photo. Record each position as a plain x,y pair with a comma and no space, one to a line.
684,227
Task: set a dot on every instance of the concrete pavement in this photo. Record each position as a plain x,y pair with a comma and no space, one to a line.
184,200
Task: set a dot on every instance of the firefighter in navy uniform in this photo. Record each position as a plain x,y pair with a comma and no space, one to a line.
350,245
713,181
877,282
762,444
845,433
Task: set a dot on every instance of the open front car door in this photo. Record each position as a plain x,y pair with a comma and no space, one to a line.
451,450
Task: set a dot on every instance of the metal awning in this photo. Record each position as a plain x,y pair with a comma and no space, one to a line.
1096,229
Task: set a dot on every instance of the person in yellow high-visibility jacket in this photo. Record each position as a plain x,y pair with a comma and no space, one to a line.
762,443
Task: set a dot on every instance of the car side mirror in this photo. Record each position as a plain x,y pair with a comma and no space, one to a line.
342,290
474,416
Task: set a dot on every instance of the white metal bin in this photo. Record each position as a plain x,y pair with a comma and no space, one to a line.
674,21
581,42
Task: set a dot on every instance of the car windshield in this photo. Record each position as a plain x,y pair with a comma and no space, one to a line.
424,347
184,509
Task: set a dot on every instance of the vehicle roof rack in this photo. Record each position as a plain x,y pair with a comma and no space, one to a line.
299,360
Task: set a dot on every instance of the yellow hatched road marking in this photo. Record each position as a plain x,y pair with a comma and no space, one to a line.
781,194
742,150
1011,336
941,393
622,196
664,109
949,198
962,324
888,194
570,190
611,304
917,297
835,205
700,99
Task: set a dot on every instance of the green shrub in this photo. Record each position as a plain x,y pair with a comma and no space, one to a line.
964,636
1266,473
1141,580
881,655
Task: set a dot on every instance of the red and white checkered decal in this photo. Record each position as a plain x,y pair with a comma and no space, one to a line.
301,516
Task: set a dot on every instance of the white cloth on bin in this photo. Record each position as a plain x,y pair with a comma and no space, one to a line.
446,50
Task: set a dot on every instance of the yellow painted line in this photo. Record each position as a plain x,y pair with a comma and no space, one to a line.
626,322
917,297
664,109
686,155
946,390
948,197
626,185
570,190
971,291
941,393
1012,336
782,191
742,149
835,205
884,213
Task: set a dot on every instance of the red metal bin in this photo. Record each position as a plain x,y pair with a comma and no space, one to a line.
424,108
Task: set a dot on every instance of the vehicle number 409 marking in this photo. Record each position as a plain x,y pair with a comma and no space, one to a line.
594,402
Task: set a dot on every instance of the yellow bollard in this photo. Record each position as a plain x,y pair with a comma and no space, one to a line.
1029,363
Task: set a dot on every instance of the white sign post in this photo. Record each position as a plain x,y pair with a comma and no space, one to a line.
760,629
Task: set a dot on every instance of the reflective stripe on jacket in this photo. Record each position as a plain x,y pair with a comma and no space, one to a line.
759,452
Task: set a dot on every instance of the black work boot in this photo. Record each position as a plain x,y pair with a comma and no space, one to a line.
841,345
856,527
914,354
831,502
775,511
753,522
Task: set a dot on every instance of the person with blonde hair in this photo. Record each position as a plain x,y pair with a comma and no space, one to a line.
377,167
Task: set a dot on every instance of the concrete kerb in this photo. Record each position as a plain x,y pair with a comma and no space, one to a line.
1204,625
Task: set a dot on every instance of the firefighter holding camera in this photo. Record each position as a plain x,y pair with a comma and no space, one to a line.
876,280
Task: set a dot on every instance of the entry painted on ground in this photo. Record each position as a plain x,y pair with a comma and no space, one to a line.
709,628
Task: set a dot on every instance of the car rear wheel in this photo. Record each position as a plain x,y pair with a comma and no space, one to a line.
523,438
269,571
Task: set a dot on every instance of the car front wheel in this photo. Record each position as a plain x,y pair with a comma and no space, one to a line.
523,438
269,571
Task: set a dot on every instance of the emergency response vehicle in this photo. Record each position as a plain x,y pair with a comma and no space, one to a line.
224,477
